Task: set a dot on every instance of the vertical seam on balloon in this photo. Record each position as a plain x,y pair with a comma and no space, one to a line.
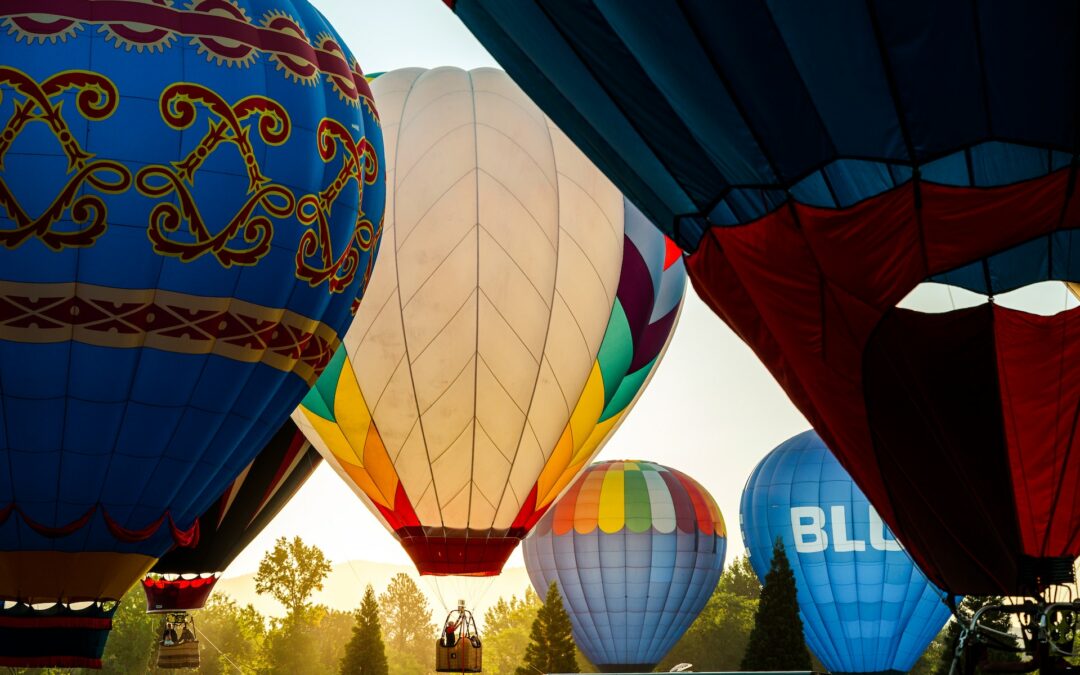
599,82
744,115
135,369
1004,396
984,87
543,348
890,80
1064,466
476,333
401,313
246,439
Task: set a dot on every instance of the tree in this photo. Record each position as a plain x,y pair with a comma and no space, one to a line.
551,640
133,637
740,579
506,632
291,643
408,628
365,652
776,641
236,633
291,572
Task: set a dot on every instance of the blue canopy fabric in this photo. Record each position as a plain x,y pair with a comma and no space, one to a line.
722,112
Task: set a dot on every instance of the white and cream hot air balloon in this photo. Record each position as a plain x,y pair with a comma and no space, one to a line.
518,306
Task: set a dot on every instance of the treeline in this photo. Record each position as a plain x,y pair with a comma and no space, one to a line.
394,632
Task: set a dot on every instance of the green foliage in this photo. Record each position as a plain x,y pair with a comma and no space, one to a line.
133,637
776,640
365,652
291,572
291,644
506,630
408,629
551,645
229,632
408,663
333,628
740,579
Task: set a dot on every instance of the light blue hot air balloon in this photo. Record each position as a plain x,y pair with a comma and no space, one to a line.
865,606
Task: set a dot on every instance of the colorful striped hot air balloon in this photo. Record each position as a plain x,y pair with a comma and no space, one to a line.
636,549
519,307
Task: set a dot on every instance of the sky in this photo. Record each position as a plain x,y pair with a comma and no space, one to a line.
712,410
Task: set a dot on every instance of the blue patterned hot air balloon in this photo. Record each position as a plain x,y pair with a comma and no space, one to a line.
865,606
637,549
190,206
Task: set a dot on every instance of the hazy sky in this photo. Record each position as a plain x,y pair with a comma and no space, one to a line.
712,410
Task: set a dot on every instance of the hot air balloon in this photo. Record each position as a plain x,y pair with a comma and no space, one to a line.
865,606
190,199
183,579
818,161
518,309
636,549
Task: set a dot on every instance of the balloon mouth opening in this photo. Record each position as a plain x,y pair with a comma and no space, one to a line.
54,635
179,593
469,555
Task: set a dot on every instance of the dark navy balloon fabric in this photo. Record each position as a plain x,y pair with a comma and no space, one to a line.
637,550
723,111
190,199
864,604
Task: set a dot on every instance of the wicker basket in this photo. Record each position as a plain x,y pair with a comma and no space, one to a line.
183,655
464,657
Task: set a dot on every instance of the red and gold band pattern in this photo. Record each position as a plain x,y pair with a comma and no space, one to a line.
174,322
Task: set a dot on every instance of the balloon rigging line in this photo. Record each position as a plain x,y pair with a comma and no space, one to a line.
223,654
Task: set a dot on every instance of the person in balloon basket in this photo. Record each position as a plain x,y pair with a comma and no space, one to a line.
449,639
169,637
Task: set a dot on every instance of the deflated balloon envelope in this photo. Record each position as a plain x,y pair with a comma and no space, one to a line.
190,199
865,606
817,161
518,308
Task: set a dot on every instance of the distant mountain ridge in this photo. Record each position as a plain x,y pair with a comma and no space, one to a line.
344,588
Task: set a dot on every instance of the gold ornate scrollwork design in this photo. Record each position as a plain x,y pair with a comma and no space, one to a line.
96,100
360,164
246,237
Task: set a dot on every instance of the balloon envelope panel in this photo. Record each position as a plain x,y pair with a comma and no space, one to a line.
636,549
818,161
519,307
864,604
187,219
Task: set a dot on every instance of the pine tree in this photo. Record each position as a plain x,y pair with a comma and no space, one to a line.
365,652
776,641
551,642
